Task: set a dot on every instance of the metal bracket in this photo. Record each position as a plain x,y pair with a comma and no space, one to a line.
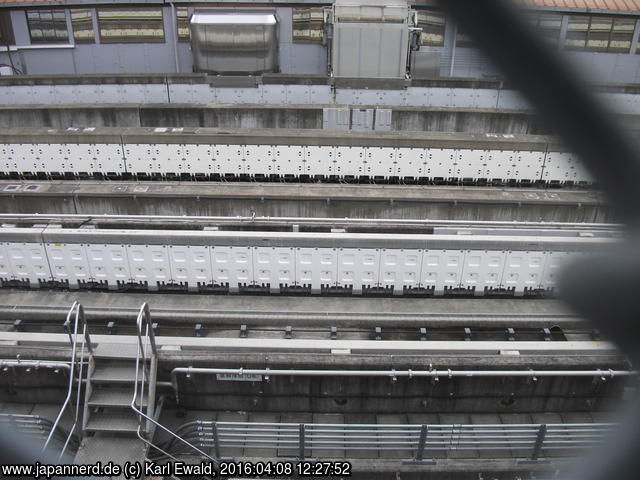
423,334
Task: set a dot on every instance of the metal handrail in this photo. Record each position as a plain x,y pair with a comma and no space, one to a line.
149,339
73,339
416,438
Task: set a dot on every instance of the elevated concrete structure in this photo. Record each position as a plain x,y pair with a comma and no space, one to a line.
307,200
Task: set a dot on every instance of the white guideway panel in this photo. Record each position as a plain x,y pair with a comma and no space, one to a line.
515,263
301,155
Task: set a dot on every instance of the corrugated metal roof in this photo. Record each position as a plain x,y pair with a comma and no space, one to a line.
598,5
610,5
28,1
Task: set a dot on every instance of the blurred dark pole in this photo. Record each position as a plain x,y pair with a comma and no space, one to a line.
604,290
562,100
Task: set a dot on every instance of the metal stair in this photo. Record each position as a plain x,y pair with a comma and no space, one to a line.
110,390
113,430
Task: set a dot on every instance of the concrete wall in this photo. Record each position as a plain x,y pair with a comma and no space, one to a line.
186,201
429,120
381,395
40,385
298,117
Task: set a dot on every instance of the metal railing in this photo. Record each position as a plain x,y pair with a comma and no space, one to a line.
76,372
413,443
147,358
38,429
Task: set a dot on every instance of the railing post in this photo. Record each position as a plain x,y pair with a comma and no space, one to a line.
85,330
542,432
421,443
301,442
67,328
537,447
216,444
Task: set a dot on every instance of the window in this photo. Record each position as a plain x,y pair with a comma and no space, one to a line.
182,17
131,25
599,33
621,35
82,25
548,26
47,26
6,30
308,24
432,24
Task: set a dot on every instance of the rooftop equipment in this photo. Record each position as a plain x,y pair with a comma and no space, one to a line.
371,38
234,42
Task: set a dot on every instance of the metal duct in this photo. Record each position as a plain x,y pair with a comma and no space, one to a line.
234,42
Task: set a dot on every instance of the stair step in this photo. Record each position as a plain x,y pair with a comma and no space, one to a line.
116,351
113,397
115,373
112,421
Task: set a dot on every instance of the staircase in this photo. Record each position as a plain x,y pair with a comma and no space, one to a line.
110,392
112,428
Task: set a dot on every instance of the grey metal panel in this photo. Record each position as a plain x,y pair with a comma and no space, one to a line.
238,95
336,118
308,94
513,100
487,98
358,96
417,97
66,94
303,58
426,63
50,61
285,24
88,57
464,97
383,119
20,94
362,118
274,93
440,97
192,93
244,42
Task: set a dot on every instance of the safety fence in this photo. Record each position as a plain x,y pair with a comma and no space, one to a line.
416,443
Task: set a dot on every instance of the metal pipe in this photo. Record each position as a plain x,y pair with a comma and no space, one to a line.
608,373
327,220
34,364
310,318
174,31
453,49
